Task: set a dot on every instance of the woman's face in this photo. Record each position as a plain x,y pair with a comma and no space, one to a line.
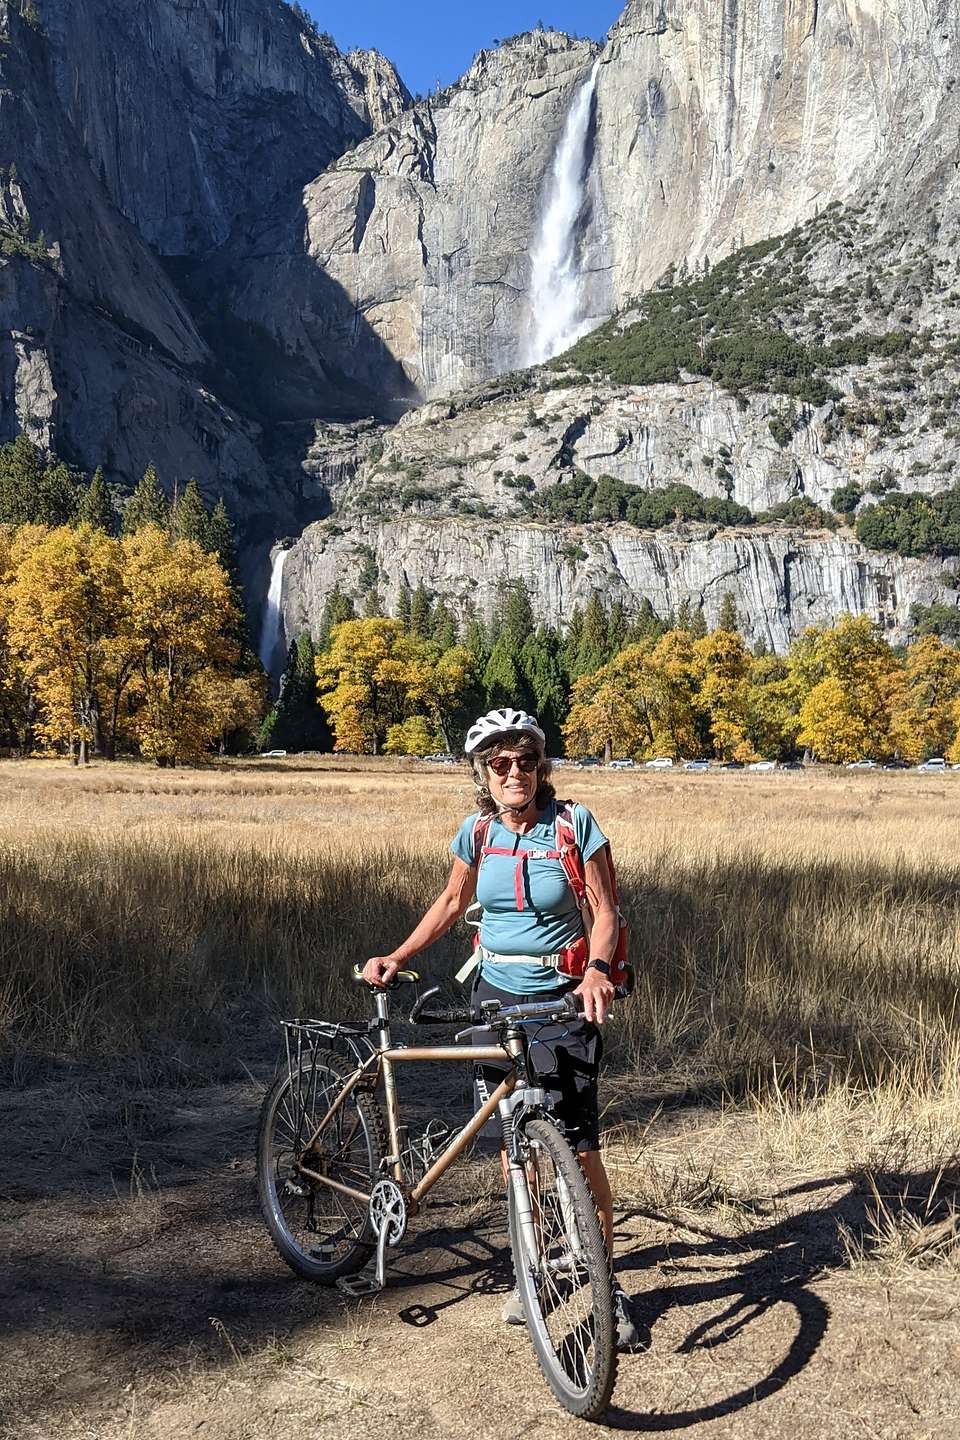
517,784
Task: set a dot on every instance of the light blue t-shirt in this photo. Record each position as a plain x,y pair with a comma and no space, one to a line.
550,918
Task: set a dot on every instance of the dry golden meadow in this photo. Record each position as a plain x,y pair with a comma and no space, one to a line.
782,1105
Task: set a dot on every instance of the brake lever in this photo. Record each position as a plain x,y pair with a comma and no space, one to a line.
419,1003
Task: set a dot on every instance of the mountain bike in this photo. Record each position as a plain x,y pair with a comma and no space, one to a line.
339,1176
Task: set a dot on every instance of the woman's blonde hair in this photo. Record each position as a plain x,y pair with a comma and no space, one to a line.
519,742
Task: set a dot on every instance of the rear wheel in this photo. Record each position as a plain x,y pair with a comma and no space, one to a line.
320,1232
563,1273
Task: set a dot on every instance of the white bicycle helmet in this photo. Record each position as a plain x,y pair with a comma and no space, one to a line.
500,722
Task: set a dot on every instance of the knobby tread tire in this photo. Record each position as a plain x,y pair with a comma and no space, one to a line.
309,1267
590,1402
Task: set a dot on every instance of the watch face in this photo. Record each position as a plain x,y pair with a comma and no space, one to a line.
600,965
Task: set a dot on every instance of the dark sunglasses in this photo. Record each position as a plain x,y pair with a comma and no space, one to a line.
503,763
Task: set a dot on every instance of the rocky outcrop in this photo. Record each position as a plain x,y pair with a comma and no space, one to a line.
780,582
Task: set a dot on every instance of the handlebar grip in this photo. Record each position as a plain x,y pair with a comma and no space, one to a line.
449,1016
410,977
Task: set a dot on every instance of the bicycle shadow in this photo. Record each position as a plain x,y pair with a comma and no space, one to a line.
786,1259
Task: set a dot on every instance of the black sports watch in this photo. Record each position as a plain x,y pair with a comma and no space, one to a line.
602,965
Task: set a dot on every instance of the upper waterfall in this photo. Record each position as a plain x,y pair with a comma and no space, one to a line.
270,630
556,291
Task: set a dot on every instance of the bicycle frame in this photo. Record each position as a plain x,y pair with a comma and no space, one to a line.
382,1060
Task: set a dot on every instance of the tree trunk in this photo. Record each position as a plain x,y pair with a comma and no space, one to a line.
607,752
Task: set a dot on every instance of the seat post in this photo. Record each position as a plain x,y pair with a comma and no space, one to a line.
382,1001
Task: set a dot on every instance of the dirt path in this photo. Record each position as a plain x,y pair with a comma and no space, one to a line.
141,1298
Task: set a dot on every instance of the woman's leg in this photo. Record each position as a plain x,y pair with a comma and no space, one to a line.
591,1163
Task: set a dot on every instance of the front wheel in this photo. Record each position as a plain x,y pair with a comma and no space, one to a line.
563,1272
321,1232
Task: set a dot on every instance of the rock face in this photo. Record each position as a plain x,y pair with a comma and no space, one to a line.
408,265
780,583
198,115
138,129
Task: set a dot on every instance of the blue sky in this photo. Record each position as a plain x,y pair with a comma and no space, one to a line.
431,40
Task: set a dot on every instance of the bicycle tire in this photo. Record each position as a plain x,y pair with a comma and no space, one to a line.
318,1232
578,1355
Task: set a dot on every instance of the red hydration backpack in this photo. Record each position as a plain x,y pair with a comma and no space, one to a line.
574,958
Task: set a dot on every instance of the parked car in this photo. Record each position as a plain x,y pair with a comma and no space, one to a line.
621,764
588,761
897,765
762,765
861,764
934,766
662,762
732,765
791,764
697,765
273,754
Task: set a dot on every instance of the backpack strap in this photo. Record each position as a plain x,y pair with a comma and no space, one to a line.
569,851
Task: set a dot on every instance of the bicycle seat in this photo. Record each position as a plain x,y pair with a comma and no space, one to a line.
409,977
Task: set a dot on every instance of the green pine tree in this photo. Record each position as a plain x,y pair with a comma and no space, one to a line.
95,506
571,643
56,498
476,643
403,604
617,628
421,613
728,618
594,648
698,624
147,505
188,516
336,608
683,617
372,605
445,628
299,722
21,474
545,682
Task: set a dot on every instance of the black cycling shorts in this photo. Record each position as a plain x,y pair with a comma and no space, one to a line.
564,1059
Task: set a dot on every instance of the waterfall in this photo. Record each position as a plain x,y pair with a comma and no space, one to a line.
270,635
555,281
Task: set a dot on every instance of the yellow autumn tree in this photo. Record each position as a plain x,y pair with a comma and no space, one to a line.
842,673
602,719
17,696
182,617
438,682
413,736
721,668
923,698
673,712
67,619
364,679
772,707
639,703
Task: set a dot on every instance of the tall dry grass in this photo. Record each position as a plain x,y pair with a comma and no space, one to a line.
781,925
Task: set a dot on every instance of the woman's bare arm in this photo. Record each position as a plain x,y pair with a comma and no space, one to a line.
595,988
443,914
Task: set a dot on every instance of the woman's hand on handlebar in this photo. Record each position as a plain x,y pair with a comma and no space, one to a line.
597,993
380,970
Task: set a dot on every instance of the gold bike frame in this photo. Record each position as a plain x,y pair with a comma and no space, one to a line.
382,1062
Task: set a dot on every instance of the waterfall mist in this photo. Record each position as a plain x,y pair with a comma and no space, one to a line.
270,630
556,287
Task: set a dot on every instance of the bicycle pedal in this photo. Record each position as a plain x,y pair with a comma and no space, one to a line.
358,1286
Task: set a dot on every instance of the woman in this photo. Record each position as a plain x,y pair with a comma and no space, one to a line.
529,917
